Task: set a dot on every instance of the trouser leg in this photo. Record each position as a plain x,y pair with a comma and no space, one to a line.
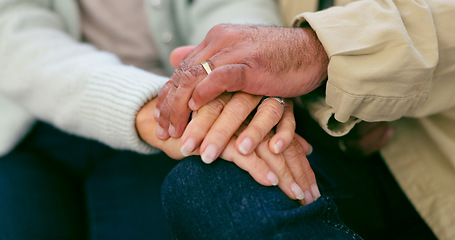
221,201
39,198
123,196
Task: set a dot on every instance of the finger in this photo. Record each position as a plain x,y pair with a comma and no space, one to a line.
185,78
285,129
180,53
308,149
278,165
363,128
165,106
295,159
161,96
183,81
253,164
372,141
179,113
214,85
201,122
265,119
233,115
311,178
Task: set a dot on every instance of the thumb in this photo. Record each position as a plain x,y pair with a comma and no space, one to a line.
178,54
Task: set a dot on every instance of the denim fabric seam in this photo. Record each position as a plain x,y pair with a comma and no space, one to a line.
341,227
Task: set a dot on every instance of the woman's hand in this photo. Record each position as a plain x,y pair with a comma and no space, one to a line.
289,169
214,125
271,158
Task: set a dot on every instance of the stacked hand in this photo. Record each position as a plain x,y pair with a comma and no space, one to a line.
288,169
255,60
259,60
222,128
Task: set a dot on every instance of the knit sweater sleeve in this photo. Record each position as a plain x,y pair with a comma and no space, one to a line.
71,85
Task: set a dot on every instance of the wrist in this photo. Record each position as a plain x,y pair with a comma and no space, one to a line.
320,59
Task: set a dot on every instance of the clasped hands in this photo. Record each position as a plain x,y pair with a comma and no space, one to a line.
286,62
220,126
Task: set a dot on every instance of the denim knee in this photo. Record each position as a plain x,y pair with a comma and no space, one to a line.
221,201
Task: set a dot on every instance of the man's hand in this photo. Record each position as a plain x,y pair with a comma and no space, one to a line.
259,60
146,127
366,138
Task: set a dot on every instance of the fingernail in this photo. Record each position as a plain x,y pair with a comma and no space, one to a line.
278,146
160,132
308,197
245,146
191,104
172,131
298,193
310,150
273,179
315,191
156,113
208,156
188,147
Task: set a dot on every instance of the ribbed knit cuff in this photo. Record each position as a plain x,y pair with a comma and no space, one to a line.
111,101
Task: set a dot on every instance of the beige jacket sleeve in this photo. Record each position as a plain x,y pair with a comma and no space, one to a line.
388,59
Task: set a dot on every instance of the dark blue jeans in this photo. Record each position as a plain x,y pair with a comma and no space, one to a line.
57,186
221,201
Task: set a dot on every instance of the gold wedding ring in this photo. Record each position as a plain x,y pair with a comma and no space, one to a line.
206,66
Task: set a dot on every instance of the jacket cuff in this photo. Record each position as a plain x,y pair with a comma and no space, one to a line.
325,116
111,101
375,72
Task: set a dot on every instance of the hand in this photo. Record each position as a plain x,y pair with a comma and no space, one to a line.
226,114
219,125
258,60
146,127
289,170
366,138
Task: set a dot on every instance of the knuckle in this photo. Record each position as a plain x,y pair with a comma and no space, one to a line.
177,75
189,76
237,110
271,111
291,121
256,132
242,74
295,150
282,169
220,133
217,28
214,107
255,165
